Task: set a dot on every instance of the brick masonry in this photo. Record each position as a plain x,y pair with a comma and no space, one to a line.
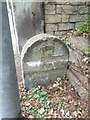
61,17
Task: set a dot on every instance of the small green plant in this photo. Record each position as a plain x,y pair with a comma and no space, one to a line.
40,105
42,108
84,27
57,101
38,94
87,52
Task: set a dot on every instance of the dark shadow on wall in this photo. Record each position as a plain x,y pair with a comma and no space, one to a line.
30,21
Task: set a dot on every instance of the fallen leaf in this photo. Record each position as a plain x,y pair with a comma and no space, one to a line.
50,112
75,103
41,111
62,111
23,115
48,102
68,97
50,87
54,85
67,114
55,114
30,116
75,113
27,103
36,104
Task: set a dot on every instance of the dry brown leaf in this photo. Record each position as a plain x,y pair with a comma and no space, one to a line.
50,88
75,104
69,97
41,111
50,112
30,116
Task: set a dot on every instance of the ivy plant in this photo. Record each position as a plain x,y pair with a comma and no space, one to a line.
84,27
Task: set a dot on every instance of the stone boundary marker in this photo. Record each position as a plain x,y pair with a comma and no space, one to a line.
44,58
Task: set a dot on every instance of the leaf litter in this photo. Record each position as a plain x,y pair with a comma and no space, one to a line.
52,101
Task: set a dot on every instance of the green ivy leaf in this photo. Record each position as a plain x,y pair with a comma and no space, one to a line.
36,96
34,90
43,93
57,101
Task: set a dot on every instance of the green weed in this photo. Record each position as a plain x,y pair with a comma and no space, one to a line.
84,27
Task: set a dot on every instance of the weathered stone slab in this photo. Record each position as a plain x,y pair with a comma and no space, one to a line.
51,27
66,26
65,18
82,9
52,18
80,43
74,73
77,49
77,18
50,9
75,80
60,33
45,58
76,2
78,24
66,9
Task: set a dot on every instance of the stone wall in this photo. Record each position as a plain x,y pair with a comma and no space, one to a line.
60,17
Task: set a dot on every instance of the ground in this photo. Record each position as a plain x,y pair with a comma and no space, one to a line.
55,101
